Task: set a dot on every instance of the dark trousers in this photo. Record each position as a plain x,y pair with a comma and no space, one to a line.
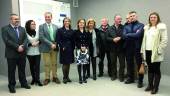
34,67
93,61
138,58
88,69
82,68
20,63
130,63
154,72
131,56
121,56
101,60
66,71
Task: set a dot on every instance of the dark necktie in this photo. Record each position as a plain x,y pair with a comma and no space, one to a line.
16,31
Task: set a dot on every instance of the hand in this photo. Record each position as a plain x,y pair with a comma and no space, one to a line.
116,39
36,43
20,48
53,46
137,30
83,48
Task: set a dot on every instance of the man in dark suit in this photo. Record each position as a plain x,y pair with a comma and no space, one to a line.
104,49
48,48
133,35
14,37
116,43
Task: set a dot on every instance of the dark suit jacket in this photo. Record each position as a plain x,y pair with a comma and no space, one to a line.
65,39
103,38
12,42
113,33
81,39
91,49
45,38
133,34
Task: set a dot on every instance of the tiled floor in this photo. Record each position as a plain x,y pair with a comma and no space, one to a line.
103,86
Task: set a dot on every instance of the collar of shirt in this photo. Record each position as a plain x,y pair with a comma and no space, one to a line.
49,24
104,27
14,26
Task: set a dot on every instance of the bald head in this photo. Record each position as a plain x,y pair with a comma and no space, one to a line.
104,21
117,19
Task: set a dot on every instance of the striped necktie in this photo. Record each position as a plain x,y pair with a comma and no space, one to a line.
50,29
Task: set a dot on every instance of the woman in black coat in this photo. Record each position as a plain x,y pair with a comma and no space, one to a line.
65,40
94,43
81,40
81,36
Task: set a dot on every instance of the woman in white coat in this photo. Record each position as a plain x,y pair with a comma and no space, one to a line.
154,42
33,53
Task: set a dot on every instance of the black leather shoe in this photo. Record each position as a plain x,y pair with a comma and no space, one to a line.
32,82
88,76
100,75
129,81
109,75
68,80
84,81
12,89
121,79
140,85
113,78
38,83
94,77
154,91
148,88
26,86
80,82
65,81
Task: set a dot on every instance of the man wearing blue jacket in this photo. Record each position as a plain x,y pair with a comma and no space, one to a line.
133,34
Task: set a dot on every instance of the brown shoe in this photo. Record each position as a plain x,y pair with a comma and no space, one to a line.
56,80
46,81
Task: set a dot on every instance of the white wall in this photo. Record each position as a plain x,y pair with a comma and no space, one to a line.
12,6
6,9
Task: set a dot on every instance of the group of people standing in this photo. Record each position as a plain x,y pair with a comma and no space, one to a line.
131,43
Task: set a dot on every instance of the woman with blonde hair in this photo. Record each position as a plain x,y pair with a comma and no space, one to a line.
154,42
93,45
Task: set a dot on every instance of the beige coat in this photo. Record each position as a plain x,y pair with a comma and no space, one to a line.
160,42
